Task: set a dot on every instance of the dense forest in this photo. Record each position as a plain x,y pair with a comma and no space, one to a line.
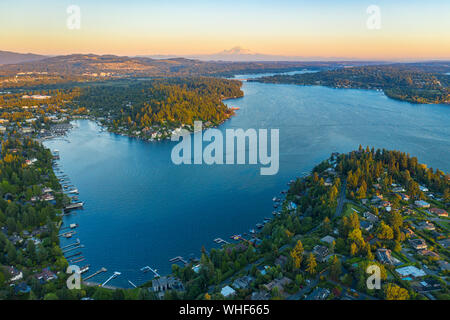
402,82
170,102
28,225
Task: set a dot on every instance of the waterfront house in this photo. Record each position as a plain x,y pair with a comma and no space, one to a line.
163,284
292,206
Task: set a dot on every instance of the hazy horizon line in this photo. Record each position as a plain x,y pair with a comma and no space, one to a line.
258,57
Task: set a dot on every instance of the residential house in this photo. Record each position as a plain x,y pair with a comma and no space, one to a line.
260,295
439,212
292,206
318,294
421,204
443,265
163,284
228,291
366,225
243,282
281,260
328,239
418,244
14,273
321,253
278,283
370,217
384,256
429,253
426,225
410,271
46,275
445,243
405,197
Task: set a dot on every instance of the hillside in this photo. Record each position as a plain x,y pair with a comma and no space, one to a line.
8,57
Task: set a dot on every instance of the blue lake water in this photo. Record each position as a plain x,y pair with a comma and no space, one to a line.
140,209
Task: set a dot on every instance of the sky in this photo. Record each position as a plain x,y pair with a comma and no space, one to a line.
417,30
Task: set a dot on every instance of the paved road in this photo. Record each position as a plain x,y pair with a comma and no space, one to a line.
300,294
341,200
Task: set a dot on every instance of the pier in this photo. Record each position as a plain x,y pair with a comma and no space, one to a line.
74,255
81,259
148,268
71,244
74,248
220,241
73,206
95,273
67,234
178,259
115,275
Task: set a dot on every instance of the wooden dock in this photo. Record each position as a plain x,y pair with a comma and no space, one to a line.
95,273
74,248
178,259
72,244
220,241
73,206
148,268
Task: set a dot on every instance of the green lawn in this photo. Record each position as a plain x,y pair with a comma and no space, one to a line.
349,208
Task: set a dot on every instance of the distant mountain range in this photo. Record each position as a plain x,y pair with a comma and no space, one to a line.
239,54
8,57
